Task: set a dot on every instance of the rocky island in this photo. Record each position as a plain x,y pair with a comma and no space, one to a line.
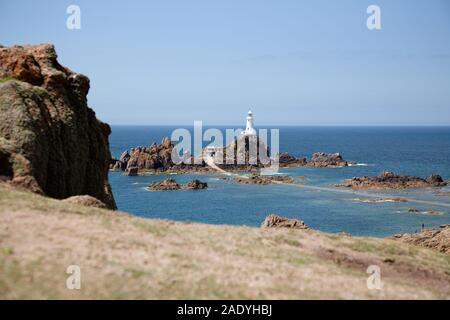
255,178
158,158
390,180
171,184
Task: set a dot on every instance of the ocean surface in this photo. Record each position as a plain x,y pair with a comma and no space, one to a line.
419,151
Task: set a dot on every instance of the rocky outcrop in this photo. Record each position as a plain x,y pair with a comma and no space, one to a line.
287,160
259,179
171,184
276,221
318,159
131,171
195,185
50,140
322,159
164,185
87,201
249,153
154,157
437,238
390,180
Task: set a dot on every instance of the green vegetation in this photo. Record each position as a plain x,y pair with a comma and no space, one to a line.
39,90
4,79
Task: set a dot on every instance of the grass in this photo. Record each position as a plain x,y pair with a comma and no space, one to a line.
126,257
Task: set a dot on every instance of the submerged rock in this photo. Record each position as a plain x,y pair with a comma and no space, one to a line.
378,200
259,179
427,212
276,221
388,179
442,193
50,140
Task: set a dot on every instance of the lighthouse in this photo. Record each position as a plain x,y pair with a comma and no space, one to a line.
249,129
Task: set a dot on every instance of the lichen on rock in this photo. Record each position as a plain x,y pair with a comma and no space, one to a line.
50,140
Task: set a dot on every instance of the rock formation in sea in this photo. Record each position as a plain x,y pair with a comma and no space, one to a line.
164,185
50,140
195,185
380,200
276,221
434,238
322,159
171,184
426,212
260,179
318,159
391,180
158,157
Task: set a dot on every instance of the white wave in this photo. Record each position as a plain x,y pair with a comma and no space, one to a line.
358,164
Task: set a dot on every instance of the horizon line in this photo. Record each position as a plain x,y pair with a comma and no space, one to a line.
283,125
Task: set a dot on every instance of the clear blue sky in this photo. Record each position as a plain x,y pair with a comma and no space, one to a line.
292,62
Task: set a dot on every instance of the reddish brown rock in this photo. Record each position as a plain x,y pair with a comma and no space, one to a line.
195,185
286,160
259,179
437,238
276,221
322,159
165,185
391,180
50,140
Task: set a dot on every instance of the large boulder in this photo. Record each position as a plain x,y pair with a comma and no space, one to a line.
261,179
164,185
322,159
434,238
195,185
276,221
87,201
50,140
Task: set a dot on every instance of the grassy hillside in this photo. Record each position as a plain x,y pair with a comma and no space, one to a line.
124,257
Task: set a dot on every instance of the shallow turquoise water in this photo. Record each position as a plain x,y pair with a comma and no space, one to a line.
414,151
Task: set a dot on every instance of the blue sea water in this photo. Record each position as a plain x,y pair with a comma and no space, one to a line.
419,151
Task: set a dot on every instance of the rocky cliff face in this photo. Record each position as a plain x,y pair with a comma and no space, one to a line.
50,140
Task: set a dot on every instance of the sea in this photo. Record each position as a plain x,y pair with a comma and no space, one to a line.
418,151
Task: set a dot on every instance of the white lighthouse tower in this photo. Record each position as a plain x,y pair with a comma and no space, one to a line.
249,129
